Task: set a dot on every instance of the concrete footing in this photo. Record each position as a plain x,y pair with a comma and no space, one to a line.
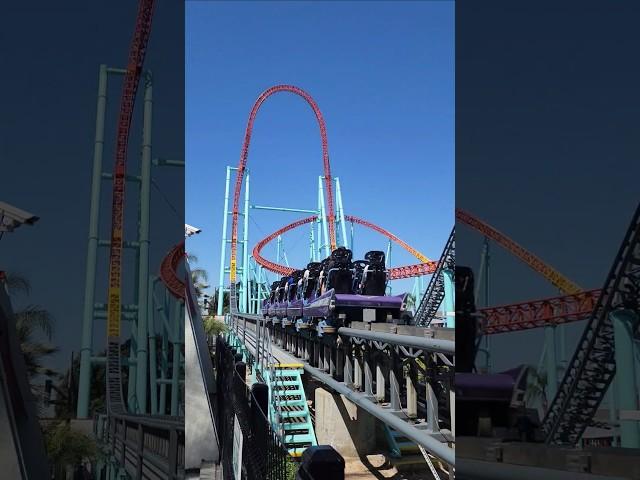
343,425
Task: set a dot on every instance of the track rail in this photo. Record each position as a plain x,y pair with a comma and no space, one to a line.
539,313
556,278
593,366
115,402
243,162
405,271
434,294
168,271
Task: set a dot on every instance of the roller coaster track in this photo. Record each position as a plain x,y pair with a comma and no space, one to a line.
115,403
243,161
539,313
593,364
556,278
434,294
168,271
406,271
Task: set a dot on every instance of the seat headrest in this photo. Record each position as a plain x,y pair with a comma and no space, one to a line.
375,256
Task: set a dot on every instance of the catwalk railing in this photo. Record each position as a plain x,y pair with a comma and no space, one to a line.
144,448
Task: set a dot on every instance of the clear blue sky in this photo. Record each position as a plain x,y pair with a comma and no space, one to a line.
383,75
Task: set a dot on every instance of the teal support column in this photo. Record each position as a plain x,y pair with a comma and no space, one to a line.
388,264
223,248
178,339
84,381
153,365
624,322
612,405
132,370
351,228
449,298
312,248
278,248
323,216
143,274
245,235
551,362
164,373
343,226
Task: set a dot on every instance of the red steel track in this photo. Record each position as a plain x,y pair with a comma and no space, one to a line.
426,267
168,271
539,313
243,161
556,278
576,305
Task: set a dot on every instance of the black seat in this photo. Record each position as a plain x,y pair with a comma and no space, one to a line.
339,271
466,324
310,279
374,276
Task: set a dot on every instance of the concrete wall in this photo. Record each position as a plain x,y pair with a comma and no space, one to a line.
343,425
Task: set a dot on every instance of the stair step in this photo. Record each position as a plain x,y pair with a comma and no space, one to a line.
293,414
408,447
298,439
296,426
286,383
293,403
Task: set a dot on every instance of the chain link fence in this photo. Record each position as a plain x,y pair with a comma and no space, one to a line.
250,449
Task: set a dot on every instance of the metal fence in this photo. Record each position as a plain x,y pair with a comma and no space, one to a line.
250,449
144,448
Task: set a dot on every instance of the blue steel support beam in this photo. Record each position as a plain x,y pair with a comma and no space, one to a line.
245,235
284,209
223,248
341,213
449,298
551,362
143,251
624,323
92,247
323,218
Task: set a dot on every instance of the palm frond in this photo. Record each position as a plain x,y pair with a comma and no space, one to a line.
33,317
17,283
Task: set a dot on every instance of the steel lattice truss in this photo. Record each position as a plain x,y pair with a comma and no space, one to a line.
593,365
434,294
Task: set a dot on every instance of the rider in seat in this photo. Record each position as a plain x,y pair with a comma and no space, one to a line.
310,279
374,276
339,271
274,289
358,266
293,284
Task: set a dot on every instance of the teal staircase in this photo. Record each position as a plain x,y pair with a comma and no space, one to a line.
288,409
399,445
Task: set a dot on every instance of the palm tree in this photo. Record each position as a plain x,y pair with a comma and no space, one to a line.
33,321
213,305
199,278
68,448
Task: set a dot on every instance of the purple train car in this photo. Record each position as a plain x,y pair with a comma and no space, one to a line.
337,291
